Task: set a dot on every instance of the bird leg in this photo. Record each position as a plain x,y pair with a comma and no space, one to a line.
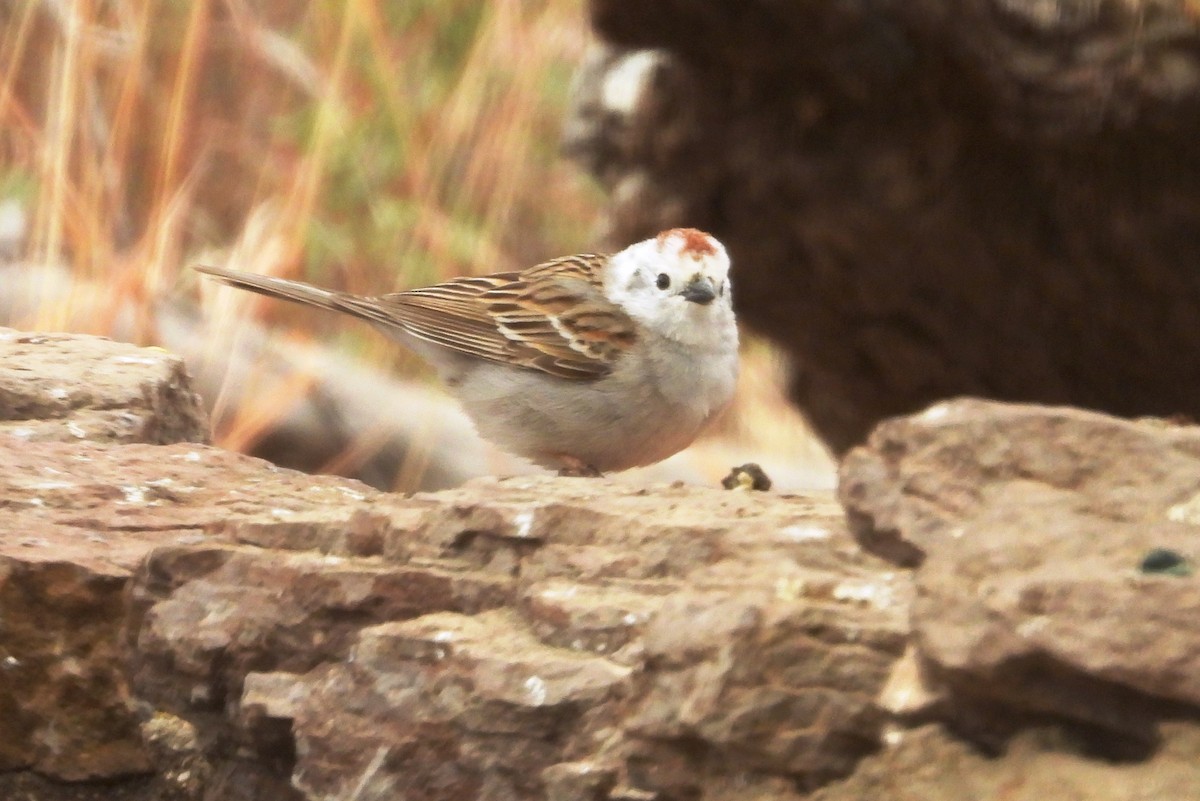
576,467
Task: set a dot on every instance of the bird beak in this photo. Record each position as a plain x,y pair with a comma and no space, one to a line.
699,290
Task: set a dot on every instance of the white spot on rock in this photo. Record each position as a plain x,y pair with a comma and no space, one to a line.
133,494
877,594
561,591
1033,626
536,688
935,413
50,485
790,588
524,523
806,533
626,81
1186,512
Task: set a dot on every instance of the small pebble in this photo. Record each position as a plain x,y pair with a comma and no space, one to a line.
1166,561
747,478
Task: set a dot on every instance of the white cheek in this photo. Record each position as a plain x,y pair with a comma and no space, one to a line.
642,303
657,309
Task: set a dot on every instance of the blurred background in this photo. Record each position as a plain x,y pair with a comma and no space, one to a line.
358,144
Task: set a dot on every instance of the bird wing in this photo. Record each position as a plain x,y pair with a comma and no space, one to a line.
553,318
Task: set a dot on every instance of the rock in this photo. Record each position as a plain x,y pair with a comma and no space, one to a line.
930,764
29,786
481,685
248,631
1011,614
921,200
510,631
78,520
69,388
1031,525
72,532
178,756
64,707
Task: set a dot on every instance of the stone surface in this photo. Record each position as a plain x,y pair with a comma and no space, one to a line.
76,519
1032,524
71,387
488,636
1010,615
71,530
929,764
922,199
241,631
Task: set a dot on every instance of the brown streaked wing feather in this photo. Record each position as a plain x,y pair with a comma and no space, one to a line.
551,318
558,311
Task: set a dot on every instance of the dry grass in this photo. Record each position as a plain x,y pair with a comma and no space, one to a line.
364,136
364,144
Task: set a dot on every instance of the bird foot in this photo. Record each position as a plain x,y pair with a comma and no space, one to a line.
577,468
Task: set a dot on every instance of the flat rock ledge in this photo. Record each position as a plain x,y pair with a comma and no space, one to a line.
1009,614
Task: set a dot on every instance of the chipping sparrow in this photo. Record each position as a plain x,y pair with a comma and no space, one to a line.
585,363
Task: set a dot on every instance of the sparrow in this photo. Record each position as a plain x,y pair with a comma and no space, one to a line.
587,364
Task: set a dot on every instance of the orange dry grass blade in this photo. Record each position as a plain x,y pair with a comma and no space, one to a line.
171,204
472,157
301,200
64,84
127,121
12,52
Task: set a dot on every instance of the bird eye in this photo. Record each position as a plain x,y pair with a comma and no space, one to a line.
663,281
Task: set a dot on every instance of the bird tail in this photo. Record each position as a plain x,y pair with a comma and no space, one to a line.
294,291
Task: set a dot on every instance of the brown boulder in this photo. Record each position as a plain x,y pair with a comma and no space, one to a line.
71,388
1033,526
510,630
241,630
79,519
922,200
191,624
930,764
73,528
